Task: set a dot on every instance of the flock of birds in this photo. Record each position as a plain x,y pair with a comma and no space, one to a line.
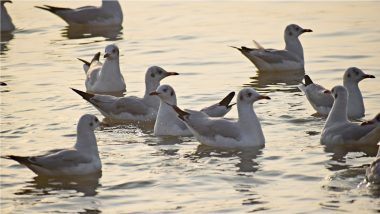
341,104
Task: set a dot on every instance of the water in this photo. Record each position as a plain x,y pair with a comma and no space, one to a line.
143,173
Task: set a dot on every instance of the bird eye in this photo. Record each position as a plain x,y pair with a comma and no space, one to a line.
297,28
165,90
290,33
152,75
249,94
114,51
159,72
96,120
91,124
356,72
348,75
336,96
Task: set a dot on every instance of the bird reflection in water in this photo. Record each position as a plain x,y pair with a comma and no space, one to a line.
271,82
41,185
110,33
5,38
246,156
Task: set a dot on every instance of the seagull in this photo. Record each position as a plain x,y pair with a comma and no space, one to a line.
323,102
373,171
339,131
104,78
220,132
130,108
108,14
83,159
272,60
167,122
6,20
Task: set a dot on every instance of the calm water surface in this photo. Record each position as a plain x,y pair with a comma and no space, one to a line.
143,173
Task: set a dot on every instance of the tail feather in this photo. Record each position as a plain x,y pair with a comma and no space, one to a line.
180,112
230,106
236,48
258,45
84,95
308,80
227,100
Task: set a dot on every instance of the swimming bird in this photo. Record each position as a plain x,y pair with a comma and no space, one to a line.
323,102
339,131
167,122
131,108
108,14
107,77
6,20
272,60
220,132
82,159
372,175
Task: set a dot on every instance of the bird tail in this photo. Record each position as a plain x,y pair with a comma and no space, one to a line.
96,57
237,48
227,100
84,95
180,112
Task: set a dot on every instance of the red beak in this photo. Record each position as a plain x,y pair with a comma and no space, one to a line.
154,93
172,73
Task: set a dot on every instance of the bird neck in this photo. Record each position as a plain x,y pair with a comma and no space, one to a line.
355,98
151,100
110,68
294,45
86,141
338,113
248,121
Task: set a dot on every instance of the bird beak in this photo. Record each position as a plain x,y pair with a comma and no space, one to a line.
327,91
154,93
171,73
264,97
307,30
106,55
368,76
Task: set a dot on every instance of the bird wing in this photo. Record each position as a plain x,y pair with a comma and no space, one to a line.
132,105
270,55
316,96
211,128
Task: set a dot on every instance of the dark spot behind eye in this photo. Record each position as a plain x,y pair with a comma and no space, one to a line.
290,33
165,90
348,75
114,51
356,72
152,75
249,94
91,124
336,96
171,94
96,120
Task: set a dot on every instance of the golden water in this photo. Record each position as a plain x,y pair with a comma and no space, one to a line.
143,173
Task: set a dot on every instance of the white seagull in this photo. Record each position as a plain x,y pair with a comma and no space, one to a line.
272,60
6,21
339,131
108,14
168,123
83,159
373,171
107,77
219,132
323,102
131,108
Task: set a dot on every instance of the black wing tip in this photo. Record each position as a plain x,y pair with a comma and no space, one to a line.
180,112
227,100
308,80
20,159
84,61
84,95
96,57
51,8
